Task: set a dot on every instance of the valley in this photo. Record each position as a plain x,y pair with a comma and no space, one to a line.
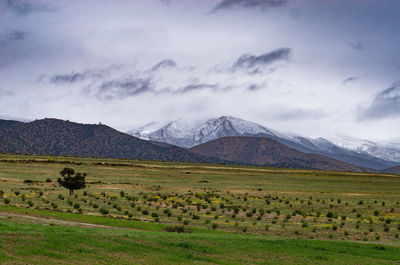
210,202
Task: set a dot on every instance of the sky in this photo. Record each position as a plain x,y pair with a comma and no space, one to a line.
308,67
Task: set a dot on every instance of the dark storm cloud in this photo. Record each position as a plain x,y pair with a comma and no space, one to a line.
358,45
25,7
385,104
127,87
68,78
16,36
254,87
228,4
6,93
12,36
195,87
168,63
75,77
250,61
350,80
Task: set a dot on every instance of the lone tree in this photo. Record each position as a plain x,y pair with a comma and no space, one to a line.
71,182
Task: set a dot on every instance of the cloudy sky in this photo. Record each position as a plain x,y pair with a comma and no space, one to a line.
310,67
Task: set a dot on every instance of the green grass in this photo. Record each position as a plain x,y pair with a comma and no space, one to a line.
41,244
96,220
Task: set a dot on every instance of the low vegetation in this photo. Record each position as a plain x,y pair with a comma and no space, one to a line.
187,200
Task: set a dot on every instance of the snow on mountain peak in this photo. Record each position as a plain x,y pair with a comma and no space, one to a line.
188,134
382,151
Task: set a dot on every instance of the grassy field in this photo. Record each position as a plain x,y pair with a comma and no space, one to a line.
254,214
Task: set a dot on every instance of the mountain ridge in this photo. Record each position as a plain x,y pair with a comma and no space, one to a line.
226,126
58,137
264,151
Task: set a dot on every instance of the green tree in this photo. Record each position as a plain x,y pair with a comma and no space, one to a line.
71,181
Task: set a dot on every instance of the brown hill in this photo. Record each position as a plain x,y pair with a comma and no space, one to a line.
8,123
392,170
57,137
267,152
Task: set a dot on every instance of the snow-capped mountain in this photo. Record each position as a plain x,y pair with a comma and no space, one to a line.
144,131
390,152
189,134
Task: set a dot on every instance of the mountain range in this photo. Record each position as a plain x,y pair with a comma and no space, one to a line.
189,134
225,140
58,137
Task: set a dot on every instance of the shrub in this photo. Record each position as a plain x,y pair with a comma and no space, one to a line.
103,211
329,215
48,180
195,217
77,205
214,226
60,196
30,203
7,201
376,212
95,206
